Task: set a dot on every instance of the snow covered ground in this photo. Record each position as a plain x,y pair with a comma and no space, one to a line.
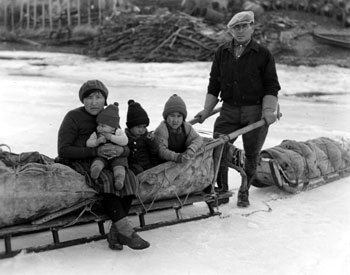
280,233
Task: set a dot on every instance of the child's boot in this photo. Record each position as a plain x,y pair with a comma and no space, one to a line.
119,177
96,168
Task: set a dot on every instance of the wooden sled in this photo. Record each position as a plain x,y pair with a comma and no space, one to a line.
167,191
270,173
173,187
300,166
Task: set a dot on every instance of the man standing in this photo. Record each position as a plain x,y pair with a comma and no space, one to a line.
243,74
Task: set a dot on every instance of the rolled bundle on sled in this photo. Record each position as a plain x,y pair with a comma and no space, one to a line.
171,180
295,166
31,185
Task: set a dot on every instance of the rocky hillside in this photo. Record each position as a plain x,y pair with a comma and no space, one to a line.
297,45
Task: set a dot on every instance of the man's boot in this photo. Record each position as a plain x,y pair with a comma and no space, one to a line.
243,193
113,240
243,198
222,181
127,235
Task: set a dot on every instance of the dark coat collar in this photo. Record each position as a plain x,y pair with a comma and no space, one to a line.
253,45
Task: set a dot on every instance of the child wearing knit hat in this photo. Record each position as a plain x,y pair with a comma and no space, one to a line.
176,139
108,130
143,152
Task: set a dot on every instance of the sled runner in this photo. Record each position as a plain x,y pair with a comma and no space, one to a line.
82,213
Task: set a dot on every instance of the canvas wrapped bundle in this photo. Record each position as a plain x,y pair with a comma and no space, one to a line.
32,185
293,165
171,180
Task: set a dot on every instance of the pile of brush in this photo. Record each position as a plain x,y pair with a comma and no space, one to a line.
168,37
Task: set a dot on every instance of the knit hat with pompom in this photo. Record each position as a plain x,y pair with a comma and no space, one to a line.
110,116
136,115
175,104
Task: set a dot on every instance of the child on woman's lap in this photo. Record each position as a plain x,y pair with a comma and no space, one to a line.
108,130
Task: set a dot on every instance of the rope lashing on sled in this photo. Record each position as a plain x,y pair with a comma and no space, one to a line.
152,202
213,181
87,208
160,187
169,183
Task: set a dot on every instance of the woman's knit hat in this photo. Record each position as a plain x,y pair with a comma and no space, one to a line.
175,104
110,116
136,115
91,86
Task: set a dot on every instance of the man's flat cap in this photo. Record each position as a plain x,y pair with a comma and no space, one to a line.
240,18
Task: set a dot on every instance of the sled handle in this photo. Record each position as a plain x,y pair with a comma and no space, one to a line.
196,119
246,129
225,138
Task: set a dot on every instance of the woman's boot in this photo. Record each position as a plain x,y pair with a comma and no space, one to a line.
128,236
113,240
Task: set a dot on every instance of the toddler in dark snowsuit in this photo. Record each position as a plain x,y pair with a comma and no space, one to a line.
143,152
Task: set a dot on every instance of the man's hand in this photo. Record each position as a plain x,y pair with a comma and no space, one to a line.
269,106
202,115
209,104
269,116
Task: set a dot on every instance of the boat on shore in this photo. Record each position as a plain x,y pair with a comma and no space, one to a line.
334,38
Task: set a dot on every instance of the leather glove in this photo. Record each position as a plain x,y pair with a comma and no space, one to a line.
269,116
210,102
268,109
202,115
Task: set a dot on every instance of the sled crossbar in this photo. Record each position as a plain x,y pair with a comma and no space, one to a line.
60,223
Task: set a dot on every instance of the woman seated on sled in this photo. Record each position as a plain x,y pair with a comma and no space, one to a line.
75,130
176,139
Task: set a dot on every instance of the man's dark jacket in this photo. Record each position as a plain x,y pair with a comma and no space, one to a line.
246,80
